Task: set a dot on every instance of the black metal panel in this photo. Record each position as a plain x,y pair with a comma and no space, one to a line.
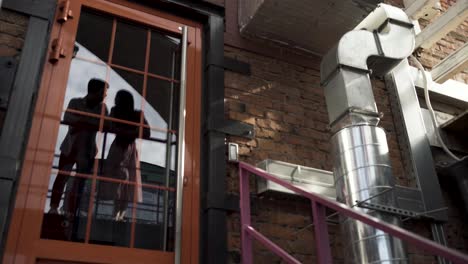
18,117
221,201
7,74
214,221
6,187
44,9
457,172
215,51
9,167
25,86
238,66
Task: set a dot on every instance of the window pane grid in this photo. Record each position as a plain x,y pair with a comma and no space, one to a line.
55,170
158,84
108,118
113,65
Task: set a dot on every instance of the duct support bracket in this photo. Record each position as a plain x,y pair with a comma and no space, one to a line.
398,211
232,128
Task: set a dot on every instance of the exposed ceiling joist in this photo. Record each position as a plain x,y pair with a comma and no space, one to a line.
450,20
426,9
451,65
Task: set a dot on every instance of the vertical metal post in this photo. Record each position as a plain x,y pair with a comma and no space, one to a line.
246,240
167,172
438,236
213,248
100,172
181,149
322,241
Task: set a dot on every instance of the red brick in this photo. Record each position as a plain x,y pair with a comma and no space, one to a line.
274,115
275,231
6,51
293,119
265,144
255,111
267,133
242,117
244,151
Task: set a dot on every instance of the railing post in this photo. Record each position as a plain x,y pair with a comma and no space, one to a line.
246,239
322,241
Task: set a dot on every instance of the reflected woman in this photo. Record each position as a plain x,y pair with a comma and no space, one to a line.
122,160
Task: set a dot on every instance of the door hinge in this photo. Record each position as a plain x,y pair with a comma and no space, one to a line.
65,12
57,50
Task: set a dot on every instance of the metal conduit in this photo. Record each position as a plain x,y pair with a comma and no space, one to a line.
362,167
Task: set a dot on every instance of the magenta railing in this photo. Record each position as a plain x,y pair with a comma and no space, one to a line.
319,203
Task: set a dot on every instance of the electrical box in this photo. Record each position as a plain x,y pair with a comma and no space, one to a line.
310,179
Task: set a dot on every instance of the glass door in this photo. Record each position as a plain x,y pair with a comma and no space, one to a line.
110,152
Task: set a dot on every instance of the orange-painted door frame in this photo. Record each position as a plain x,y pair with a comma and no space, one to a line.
24,244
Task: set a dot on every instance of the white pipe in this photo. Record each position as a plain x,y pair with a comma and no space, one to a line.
431,110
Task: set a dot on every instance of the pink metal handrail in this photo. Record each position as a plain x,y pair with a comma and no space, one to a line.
319,203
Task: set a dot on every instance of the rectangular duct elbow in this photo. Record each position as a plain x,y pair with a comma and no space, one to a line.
384,39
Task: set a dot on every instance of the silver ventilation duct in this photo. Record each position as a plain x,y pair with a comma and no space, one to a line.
362,168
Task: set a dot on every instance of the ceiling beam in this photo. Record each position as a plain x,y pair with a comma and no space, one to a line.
426,9
450,20
451,65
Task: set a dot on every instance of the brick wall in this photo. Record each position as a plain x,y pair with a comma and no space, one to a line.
286,105
12,32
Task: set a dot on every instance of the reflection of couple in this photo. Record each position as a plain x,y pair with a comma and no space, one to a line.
79,148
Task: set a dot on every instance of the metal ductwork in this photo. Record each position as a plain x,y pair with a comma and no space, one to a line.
362,168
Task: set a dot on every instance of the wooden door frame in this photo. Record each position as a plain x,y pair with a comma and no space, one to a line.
23,243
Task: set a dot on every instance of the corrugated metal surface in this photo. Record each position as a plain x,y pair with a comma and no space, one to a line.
310,25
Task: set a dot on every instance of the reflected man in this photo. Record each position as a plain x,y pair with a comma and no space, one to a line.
79,146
